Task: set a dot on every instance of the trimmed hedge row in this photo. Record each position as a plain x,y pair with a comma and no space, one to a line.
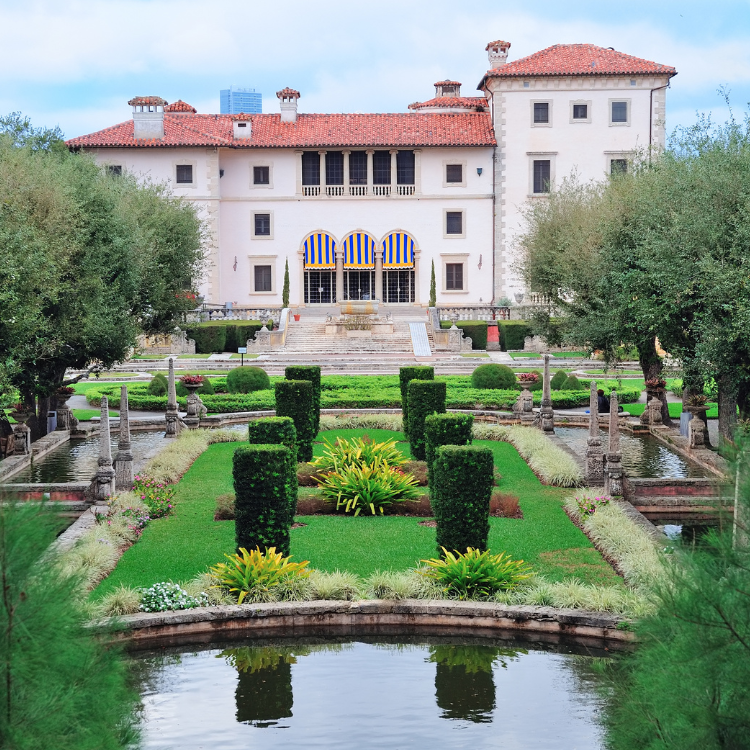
445,429
261,507
311,373
512,334
278,431
474,329
405,376
294,398
424,397
460,497
223,337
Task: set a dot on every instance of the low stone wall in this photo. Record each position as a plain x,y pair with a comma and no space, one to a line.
69,492
352,618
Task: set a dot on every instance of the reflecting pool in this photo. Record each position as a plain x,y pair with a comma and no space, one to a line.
372,693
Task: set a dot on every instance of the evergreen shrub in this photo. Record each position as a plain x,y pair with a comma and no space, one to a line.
572,384
247,380
558,380
294,398
512,334
445,429
424,397
463,480
405,375
278,431
476,330
158,386
208,338
499,377
261,486
311,373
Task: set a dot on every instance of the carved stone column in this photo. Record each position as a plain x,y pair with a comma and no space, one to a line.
613,484
124,458
104,480
369,153
346,171
594,451
379,275
339,276
174,423
394,172
546,412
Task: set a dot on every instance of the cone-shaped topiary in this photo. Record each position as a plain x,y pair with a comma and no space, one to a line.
433,290
247,380
285,290
158,385
572,384
558,379
494,376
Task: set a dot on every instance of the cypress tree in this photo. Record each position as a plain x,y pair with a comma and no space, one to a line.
433,291
285,291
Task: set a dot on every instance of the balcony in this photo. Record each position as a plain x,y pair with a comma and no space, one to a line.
358,191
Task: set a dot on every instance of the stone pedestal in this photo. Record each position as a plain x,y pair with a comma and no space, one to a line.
695,432
594,450
103,485
63,413
192,418
22,433
124,457
174,423
613,483
527,406
546,412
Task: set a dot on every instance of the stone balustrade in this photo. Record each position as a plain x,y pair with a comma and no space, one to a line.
473,312
208,312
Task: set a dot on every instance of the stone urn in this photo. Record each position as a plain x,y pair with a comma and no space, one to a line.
527,403
64,415
192,418
22,432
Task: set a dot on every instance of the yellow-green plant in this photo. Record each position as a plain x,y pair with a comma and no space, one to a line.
256,573
476,575
371,486
357,452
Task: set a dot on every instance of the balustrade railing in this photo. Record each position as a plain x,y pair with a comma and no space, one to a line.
473,312
208,312
358,191
405,189
381,189
310,191
334,189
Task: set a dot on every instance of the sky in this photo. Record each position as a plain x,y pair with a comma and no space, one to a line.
75,63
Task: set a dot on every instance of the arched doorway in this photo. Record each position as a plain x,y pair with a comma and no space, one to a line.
398,269
319,250
358,249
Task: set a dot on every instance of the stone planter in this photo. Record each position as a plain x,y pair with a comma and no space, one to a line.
192,418
22,432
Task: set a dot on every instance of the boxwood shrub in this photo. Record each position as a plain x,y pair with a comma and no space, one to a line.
558,379
405,376
424,397
311,373
278,431
474,329
494,376
463,477
294,398
445,429
512,334
158,386
247,380
261,507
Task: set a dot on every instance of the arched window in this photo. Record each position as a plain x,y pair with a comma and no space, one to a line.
319,250
359,266
398,268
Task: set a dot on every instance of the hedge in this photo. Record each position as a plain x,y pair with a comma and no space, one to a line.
445,429
261,507
475,329
463,487
278,431
223,337
425,397
512,334
311,373
294,398
405,376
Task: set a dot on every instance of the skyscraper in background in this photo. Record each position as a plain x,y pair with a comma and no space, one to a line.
235,100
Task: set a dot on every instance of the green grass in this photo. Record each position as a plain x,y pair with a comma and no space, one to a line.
185,544
525,355
478,354
149,356
247,356
570,355
193,356
84,415
675,409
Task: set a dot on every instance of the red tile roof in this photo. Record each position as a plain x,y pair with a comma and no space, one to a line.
310,131
147,101
457,102
287,93
446,83
579,59
180,106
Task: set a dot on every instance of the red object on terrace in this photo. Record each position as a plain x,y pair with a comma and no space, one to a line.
493,334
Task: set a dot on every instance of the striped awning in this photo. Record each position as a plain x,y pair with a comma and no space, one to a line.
398,251
320,251
359,251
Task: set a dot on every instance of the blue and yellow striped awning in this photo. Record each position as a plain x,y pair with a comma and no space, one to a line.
398,251
320,251
359,251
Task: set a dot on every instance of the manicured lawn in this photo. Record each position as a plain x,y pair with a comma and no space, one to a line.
149,356
84,415
247,356
477,355
525,355
193,356
180,547
675,409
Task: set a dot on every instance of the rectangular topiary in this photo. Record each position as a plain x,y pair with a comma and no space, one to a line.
278,431
512,334
311,373
294,398
463,477
261,508
424,397
445,429
405,376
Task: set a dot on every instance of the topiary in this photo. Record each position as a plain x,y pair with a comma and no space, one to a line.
158,385
558,380
294,398
445,429
247,380
405,375
572,384
425,397
311,373
278,431
494,376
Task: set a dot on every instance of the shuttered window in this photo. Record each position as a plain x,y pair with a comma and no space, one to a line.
454,222
454,173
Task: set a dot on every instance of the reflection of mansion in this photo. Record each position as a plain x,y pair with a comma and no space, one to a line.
361,205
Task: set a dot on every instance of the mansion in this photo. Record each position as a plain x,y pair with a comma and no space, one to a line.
362,205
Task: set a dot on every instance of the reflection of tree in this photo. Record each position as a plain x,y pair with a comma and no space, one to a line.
464,687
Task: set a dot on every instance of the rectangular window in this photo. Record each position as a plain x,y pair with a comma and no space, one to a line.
262,225
454,172
405,167
541,175
114,169
263,278
541,112
261,175
334,168
185,174
618,166
454,222
580,111
381,168
619,111
454,276
311,168
358,168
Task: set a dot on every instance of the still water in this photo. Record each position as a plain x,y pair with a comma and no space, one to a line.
643,456
426,693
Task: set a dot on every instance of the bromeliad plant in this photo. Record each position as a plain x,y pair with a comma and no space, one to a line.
158,496
476,575
357,452
256,573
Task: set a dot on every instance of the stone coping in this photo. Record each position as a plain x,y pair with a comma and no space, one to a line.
351,618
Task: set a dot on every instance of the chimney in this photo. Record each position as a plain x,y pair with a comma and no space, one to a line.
242,126
447,88
148,117
288,101
497,53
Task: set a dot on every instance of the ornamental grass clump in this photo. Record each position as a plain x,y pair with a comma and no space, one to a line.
476,574
163,597
256,575
548,461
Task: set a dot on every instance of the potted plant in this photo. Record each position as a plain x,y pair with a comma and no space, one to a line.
527,379
296,317
63,393
21,413
697,404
